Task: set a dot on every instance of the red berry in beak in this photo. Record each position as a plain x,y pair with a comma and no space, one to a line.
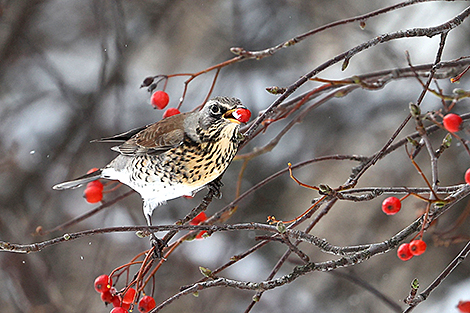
242,115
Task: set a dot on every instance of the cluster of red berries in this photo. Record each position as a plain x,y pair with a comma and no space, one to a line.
408,250
121,304
391,205
160,100
464,306
94,190
201,217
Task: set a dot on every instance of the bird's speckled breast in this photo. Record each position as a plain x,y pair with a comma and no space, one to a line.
186,168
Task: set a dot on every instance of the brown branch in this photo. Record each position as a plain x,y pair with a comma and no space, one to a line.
346,56
346,261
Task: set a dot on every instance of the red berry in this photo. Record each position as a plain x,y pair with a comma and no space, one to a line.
201,217
129,296
417,247
146,304
95,183
92,170
391,205
170,112
93,194
118,310
201,234
464,306
242,115
103,283
160,99
107,297
452,122
467,176
404,252
116,301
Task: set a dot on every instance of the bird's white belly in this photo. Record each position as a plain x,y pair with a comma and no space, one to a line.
153,191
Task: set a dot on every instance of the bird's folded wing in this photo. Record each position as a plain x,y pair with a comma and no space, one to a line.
155,138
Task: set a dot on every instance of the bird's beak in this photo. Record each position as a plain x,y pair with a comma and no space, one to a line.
229,116
238,115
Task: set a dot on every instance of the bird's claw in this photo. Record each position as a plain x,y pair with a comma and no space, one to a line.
159,245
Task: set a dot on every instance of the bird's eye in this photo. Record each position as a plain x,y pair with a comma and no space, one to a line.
215,109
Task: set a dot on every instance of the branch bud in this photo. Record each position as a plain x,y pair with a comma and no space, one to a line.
205,271
237,50
324,189
345,64
447,141
275,90
412,141
439,204
141,234
459,91
415,110
281,227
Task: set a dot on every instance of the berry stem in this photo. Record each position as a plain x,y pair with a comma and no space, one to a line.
273,220
125,267
457,78
211,89
420,172
298,181
425,220
406,196
118,184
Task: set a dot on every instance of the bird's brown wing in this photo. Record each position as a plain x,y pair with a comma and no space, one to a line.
155,138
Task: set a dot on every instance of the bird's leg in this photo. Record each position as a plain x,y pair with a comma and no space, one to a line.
158,244
154,240
215,186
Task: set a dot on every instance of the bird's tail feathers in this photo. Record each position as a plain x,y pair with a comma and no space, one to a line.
78,181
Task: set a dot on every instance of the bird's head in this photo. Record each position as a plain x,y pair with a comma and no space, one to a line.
221,110
218,114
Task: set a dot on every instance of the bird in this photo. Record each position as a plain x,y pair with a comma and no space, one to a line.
176,156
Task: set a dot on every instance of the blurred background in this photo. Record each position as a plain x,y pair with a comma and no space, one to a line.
70,72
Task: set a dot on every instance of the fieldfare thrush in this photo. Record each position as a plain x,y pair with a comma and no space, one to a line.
176,156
